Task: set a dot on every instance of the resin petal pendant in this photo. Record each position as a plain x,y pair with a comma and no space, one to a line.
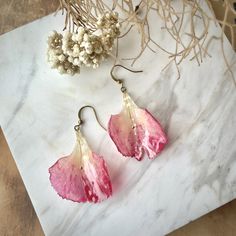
135,131
81,176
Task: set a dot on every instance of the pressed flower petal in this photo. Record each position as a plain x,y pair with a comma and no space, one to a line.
135,131
81,176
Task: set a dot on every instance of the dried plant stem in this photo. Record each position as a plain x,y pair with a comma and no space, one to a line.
186,23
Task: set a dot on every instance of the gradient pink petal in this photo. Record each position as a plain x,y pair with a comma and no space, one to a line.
135,131
81,176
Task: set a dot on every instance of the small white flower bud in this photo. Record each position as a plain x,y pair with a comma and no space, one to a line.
61,69
76,62
70,59
61,57
86,37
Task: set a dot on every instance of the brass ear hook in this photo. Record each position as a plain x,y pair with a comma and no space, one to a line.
80,121
121,81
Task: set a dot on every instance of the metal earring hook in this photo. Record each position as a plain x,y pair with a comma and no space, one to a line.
80,121
121,81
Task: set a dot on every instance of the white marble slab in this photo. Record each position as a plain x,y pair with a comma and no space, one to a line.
194,175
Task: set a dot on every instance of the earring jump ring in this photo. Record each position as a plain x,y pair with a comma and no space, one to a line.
77,128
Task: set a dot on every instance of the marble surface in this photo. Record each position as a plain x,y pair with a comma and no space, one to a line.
194,175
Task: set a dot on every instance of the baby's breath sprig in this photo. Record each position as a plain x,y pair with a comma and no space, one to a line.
68,52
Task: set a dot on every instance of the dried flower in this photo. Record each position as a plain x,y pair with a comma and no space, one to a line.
81,176
56,56
135,131
85,47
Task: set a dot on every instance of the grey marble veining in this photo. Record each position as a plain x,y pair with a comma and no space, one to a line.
194,175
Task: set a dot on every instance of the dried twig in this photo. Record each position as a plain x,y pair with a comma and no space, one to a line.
186,23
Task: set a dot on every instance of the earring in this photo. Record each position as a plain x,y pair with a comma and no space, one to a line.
134,130
81,176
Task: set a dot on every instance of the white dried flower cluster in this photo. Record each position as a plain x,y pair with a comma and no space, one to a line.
84,48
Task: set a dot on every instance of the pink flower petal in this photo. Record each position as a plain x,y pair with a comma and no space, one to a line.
135,131
81,176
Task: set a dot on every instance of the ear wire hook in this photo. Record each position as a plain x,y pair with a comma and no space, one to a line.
121,81
80,121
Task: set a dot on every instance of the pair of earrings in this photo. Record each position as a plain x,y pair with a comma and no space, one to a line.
83,176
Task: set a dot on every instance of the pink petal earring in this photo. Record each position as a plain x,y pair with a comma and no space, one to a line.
81,176
134,130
